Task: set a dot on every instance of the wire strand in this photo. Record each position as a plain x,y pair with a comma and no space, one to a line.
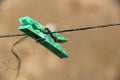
86,28
18,67
12,35
67,30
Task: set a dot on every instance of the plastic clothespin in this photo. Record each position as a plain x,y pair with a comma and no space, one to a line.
38,32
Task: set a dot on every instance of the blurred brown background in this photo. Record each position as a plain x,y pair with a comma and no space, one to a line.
93,54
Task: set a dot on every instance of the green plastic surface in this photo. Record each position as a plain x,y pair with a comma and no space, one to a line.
35,30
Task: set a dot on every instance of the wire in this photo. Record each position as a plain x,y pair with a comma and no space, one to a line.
18,67
68,30
12,35
87,28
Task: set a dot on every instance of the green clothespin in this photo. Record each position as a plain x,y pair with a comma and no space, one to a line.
38,32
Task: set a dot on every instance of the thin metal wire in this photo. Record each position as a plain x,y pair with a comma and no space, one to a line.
18,67
12,35
68,30
87,28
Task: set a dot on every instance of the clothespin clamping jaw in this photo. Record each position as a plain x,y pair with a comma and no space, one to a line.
43,35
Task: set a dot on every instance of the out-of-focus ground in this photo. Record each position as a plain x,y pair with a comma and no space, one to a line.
93,54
